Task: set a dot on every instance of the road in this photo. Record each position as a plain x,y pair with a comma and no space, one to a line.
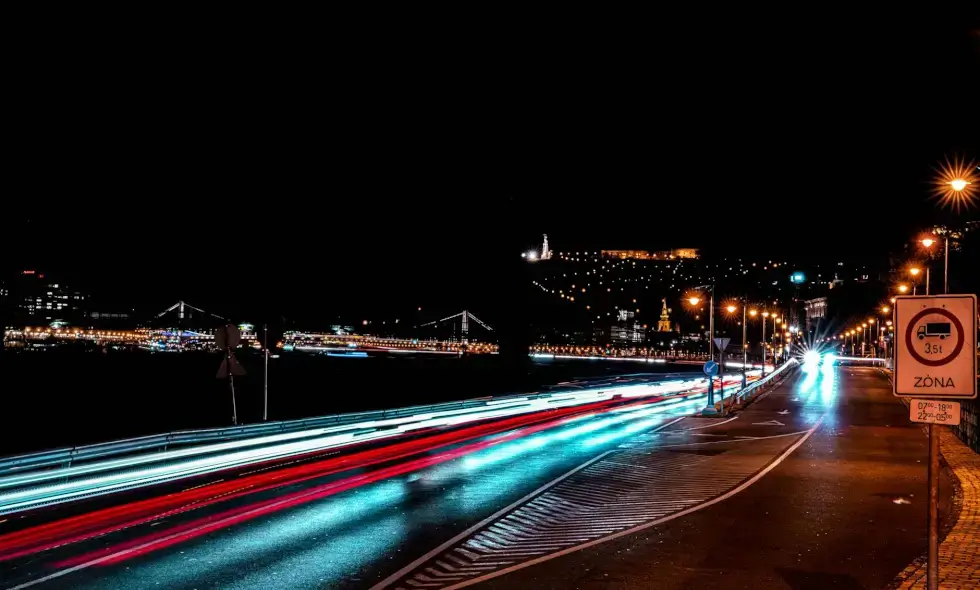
555,503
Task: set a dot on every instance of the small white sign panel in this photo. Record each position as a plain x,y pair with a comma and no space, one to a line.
934,412
936,347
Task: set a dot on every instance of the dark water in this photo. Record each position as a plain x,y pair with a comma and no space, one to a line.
61,398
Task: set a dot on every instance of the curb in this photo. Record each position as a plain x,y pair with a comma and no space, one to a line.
959,551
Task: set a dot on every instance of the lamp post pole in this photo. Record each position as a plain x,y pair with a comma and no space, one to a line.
745,350
265,372
946,267
764,314
711,350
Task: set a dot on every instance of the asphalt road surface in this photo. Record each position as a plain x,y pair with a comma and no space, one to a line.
822,480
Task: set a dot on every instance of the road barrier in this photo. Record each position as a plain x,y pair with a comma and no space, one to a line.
68,456
757,388
66,475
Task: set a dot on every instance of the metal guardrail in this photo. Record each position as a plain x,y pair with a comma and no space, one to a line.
743,393
67,456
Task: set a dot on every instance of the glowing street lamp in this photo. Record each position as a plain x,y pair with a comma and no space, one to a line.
903,289
916,271
928,242
694,300
955,185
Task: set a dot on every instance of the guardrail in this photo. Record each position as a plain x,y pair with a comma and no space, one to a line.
67,456
752,388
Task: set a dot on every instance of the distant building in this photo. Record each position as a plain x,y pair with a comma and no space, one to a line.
626,330
545,250
687,253
663,325
39,298
627,254
816,310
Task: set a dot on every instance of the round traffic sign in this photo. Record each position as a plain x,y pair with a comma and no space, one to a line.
711,368
921,332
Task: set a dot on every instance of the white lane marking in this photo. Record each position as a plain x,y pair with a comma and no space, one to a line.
736,439
709,425
641,527
443,547
768,423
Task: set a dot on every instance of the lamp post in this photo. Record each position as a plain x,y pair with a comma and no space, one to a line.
745,358
765,314
710,408
928,243
775,320
916,271
265,372
883,330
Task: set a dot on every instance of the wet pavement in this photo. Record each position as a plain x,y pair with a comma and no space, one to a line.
845,510
818,484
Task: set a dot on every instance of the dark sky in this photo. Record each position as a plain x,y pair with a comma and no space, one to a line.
371,177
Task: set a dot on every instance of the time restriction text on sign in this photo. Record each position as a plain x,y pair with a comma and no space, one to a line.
934,412
936,347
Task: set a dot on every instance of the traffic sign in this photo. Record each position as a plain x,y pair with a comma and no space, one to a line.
936,347
227,336
722,343
934,412
232,362
711,368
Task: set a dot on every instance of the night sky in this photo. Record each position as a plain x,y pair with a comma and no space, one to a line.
383,180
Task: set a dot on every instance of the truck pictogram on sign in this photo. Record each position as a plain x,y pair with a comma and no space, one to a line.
937,330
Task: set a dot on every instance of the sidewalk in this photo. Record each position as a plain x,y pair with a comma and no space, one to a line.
959,552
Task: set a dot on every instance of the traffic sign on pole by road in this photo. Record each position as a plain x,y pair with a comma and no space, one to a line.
934,412
711,368
722,343
936,347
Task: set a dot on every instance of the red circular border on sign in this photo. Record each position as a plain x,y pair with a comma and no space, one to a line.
947,315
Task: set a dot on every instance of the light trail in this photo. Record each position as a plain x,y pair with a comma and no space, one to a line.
64,485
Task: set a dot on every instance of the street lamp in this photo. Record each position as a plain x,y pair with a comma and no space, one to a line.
902,289
765,314
694,300
928,243
916,271
745,355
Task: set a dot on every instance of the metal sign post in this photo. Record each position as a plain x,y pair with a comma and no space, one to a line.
227,338
722,344
935,357
710,369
